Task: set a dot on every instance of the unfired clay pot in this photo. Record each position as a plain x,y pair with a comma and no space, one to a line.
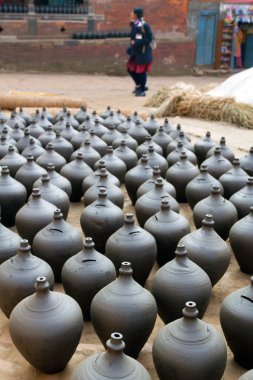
17,277
132,243
236,322
46,328
111,365
202,347
85,273
125,306
178,280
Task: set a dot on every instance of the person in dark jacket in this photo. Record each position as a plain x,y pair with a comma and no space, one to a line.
139,51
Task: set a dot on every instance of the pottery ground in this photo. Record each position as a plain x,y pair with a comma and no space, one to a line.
100,91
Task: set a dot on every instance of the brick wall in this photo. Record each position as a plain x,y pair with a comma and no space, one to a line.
163,15
170,57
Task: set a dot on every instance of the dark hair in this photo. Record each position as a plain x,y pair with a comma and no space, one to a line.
138,12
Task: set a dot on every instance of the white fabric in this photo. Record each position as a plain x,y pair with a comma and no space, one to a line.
238,86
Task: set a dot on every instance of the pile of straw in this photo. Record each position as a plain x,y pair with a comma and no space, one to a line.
22,99
185,100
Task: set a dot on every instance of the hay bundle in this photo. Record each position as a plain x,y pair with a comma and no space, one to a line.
185,100
22,99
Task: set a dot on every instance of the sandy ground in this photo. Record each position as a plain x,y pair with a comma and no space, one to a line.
100,91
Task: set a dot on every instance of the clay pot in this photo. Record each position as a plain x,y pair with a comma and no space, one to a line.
201,147
101,219
138,132
4,146
200,186
143,148
217,164
207,249
42,323
75,171
17,276
9,139
99,129
110,135
234,179
162,138
16,133
178,280
177,132
236,322
97,143
167,227
223,211
120,116
243,199
47,136
135,316
136,177
132,243
174,156
57,242
167,127
3,116
80,137
29,173
60,124
130,142
43,121
71,120
13,160
51,156
136,117
88,123
241,239
114,165
202,347
180,174
68,132
85,273
9,243
22,143
106,113
94,116
24,115
56,179
111,120
127,155
34,149
247,162
33,216
114,194
62,146
151,125
126,125
150,184
12,197
15,119
94,177
81,115
113,364
47,115
54,195
149,203
90,155
173,144
225,151
35,129
155,159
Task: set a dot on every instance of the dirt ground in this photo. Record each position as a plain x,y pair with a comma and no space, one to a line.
100,91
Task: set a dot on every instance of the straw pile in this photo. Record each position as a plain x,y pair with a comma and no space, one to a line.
22,99
189,101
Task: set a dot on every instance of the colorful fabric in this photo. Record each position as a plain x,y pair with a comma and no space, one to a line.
138,69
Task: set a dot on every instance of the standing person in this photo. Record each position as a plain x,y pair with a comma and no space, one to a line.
239,39
139,51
